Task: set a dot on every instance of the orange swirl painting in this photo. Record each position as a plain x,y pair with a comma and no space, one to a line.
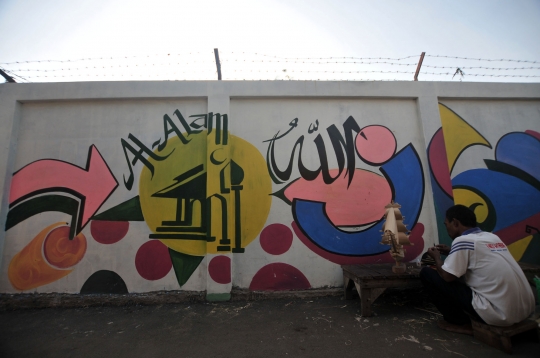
46,258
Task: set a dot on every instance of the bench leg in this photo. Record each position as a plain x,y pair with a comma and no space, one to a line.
368,296
492,339
348,284
506,344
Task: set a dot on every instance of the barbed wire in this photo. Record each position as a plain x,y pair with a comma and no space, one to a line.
264,55
231,63
487,68
483,59
100,67
113,75
280,72
195,62
102,58
474,74
209,72
13,74
187,63
280,79
350,71
326,58
324,62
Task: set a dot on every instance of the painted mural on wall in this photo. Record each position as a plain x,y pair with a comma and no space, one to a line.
201,190
505,194
288,203
338,212
205,192
52,185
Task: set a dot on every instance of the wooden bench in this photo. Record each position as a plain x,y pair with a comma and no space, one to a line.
500,337
372,280
530,270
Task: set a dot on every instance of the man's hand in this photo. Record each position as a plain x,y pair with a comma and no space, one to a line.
443,249
434,253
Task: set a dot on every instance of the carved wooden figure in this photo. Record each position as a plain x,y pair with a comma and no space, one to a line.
395,234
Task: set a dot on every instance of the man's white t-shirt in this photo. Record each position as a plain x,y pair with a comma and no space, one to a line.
501,294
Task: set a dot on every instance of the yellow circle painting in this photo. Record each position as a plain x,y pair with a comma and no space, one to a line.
206,197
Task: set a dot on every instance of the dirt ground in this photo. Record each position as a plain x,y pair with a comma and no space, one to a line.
404,326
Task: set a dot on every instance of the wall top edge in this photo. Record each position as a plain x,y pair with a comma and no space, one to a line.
26,92
111,99
488,98
322,97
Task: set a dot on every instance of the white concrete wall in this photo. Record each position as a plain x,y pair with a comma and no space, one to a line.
48,129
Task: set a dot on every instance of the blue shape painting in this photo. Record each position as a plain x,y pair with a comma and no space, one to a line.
405,175
511,197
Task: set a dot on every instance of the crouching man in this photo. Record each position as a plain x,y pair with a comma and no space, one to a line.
479,279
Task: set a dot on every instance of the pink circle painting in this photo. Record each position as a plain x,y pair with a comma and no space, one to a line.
276,239
278,277
108,232
360,202
375,144
219,269
153,261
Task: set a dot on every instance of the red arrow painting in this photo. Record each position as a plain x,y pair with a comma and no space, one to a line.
95,183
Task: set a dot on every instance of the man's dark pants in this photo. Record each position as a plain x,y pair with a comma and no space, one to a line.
452,299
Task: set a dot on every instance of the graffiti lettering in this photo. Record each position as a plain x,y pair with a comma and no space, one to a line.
222,135
167,121
293,124
196,125
339,144
222,126
313,128
138,156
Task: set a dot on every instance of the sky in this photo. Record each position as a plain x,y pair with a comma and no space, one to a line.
315,39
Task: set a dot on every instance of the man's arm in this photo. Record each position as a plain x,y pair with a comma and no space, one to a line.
436,255
443,249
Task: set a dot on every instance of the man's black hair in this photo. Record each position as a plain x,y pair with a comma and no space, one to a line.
462,214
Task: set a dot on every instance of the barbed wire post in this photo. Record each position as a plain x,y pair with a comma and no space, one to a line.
7,77
218,64
419,65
